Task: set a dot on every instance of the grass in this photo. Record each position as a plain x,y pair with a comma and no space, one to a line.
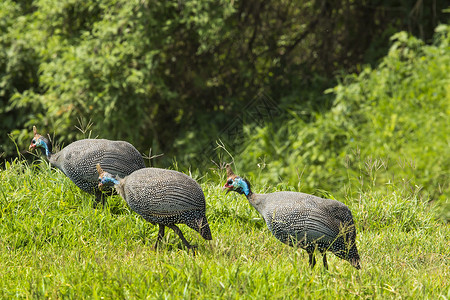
53,244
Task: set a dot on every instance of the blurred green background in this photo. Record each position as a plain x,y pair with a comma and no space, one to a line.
300,93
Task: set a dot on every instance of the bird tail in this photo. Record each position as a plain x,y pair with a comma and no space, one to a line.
205,231
356,262
201,226
354,259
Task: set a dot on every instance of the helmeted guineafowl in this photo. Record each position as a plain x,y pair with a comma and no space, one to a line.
162,197
78,160
303,220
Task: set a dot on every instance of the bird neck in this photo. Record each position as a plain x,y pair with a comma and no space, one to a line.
245,188
46,151
257,201
113,180
248,193
120,189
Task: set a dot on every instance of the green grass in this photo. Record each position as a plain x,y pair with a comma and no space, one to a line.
53,244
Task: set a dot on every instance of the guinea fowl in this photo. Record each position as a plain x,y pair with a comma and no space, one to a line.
78,160
162,197
303,220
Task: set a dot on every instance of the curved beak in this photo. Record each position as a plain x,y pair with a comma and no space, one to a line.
100,186
32,146
227,187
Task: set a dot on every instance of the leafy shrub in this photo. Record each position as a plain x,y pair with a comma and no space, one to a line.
170,74
397,113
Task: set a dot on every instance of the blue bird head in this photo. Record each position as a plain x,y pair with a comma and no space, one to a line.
235,183
105,179
40,142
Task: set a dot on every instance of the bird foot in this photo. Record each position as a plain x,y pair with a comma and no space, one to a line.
192,248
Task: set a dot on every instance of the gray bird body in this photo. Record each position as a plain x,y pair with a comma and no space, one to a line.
310,222
78,161
166,197
303,220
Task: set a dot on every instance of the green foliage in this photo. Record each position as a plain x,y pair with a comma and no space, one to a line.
397,112
55,245
169,75
18,71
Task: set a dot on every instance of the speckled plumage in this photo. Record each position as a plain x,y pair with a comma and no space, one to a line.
304,220
78,160
163,197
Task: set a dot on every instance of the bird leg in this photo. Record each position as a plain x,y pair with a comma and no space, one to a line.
180,234
99,198
160,234
312,259
325,264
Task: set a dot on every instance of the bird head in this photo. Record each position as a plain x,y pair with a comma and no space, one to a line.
105,179
236,183
40,142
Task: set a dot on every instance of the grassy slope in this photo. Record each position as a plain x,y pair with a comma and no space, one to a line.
54,244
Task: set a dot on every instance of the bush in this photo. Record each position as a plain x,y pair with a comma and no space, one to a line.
397,113
168,75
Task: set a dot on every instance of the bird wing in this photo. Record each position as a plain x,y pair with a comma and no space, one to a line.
78,160
301,216
162,192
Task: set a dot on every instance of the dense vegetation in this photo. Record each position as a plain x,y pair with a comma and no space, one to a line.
392,117
169,75
208,82
178,78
